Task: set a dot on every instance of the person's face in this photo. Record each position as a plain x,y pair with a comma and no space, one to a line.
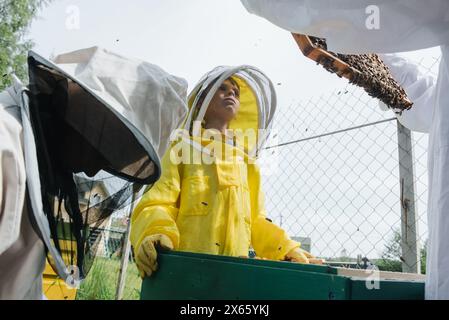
225,103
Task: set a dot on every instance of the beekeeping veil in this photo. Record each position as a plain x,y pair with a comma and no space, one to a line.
98,124
257,104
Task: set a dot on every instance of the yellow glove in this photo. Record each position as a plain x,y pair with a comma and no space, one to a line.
302,256
146,257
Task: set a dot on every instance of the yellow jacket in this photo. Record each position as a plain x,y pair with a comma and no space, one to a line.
215,208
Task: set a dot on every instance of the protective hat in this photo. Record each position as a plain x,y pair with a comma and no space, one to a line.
257,104
97,123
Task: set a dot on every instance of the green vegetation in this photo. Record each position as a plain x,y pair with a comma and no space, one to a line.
101,282
15,19
392,255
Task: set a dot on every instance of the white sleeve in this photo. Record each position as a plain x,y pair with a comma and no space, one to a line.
357,26
12,180
420,89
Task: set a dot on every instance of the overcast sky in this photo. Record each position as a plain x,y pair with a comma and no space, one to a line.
189,38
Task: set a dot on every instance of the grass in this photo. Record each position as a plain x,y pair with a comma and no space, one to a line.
101,282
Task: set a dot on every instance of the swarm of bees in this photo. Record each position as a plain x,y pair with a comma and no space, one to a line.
364,70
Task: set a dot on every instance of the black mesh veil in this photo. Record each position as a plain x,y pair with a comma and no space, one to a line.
90,163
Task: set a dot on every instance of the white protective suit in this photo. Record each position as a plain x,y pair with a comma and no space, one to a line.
402,25
149,102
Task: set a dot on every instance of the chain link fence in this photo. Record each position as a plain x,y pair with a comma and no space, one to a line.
332,178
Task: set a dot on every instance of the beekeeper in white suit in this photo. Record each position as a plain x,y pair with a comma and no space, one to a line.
90,110
387,26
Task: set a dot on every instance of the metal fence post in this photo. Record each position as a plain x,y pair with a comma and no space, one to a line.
125,250
409,224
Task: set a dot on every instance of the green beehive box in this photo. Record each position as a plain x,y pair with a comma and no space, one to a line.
183,275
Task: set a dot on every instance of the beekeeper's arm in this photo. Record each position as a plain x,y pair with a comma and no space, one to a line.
12,175
420,89
153,221
269,240
361,26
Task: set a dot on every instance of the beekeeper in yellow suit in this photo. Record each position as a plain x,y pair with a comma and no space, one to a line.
209,198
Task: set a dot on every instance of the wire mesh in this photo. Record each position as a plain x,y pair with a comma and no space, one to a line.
336,178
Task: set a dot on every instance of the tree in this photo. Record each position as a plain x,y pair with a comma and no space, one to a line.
393,247
15,19
392,255
424,257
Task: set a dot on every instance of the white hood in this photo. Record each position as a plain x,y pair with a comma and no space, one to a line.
148,99
257,102
141,100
